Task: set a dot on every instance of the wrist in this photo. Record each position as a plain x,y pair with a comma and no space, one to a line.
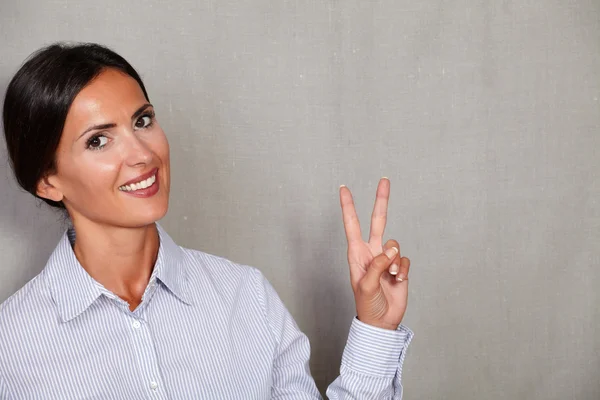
378,324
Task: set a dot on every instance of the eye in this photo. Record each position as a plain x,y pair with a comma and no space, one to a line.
97,142
144,121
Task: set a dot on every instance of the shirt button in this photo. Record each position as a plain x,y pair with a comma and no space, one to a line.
153,385
136,324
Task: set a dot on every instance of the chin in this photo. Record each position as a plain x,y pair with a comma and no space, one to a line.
143,215
147,217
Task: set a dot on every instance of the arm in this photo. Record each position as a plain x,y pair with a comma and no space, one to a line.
379,277
372,361
371,364
291,372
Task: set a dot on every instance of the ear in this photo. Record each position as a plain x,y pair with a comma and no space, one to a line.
47,189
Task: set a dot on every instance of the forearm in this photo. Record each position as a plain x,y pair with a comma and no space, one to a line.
371,364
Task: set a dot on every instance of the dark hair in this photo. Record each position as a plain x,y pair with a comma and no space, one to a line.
38,99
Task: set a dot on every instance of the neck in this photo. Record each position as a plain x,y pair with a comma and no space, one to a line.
121,259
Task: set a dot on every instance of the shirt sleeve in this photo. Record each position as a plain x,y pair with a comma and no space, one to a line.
371,364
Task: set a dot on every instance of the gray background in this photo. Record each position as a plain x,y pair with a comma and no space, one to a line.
484,114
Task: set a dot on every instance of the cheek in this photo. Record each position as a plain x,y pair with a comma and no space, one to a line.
160,146
94,175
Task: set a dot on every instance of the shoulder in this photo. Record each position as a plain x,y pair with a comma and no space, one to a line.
26,298
236,289
216,265
227,278
31,302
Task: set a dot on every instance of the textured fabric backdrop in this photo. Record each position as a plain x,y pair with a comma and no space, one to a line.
484,114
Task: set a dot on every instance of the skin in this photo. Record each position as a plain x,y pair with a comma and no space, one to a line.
117,240
378,273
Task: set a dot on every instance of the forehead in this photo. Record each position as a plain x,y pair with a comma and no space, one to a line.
111,95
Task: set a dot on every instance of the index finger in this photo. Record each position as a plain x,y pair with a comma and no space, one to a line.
351,224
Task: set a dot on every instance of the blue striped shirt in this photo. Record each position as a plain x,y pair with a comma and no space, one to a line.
206,328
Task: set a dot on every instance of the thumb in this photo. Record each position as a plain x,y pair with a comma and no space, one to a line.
379,265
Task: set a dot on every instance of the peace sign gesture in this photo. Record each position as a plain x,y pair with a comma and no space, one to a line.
378,274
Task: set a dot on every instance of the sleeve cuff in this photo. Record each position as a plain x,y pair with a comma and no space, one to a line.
375,351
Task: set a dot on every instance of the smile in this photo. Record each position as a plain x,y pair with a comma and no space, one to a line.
132,187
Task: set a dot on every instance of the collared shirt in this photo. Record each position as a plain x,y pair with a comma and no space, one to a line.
207,328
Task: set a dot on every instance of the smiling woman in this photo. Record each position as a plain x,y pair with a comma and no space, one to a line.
109,133
121,311
38,100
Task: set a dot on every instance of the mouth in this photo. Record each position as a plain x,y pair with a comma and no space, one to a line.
141,184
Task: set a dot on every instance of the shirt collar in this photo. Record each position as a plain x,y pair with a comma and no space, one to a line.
74,290
170,267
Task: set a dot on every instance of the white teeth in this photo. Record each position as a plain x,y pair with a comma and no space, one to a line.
139,185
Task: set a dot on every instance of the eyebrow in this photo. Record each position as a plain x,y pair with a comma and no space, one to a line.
136,114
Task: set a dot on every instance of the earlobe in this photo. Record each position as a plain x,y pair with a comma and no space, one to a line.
47,190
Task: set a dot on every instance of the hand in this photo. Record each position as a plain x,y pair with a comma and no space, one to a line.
378,274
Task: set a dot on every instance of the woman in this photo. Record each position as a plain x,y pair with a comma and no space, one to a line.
120,311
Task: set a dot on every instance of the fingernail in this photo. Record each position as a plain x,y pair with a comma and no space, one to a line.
394,269
385,177
391,252
401,277
341,186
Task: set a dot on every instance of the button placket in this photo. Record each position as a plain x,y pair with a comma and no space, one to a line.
147,359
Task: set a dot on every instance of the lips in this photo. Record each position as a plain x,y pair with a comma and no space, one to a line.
141,177
145,185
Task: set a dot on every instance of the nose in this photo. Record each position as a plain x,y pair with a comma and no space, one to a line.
138,152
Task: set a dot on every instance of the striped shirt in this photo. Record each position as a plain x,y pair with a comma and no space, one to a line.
206,328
